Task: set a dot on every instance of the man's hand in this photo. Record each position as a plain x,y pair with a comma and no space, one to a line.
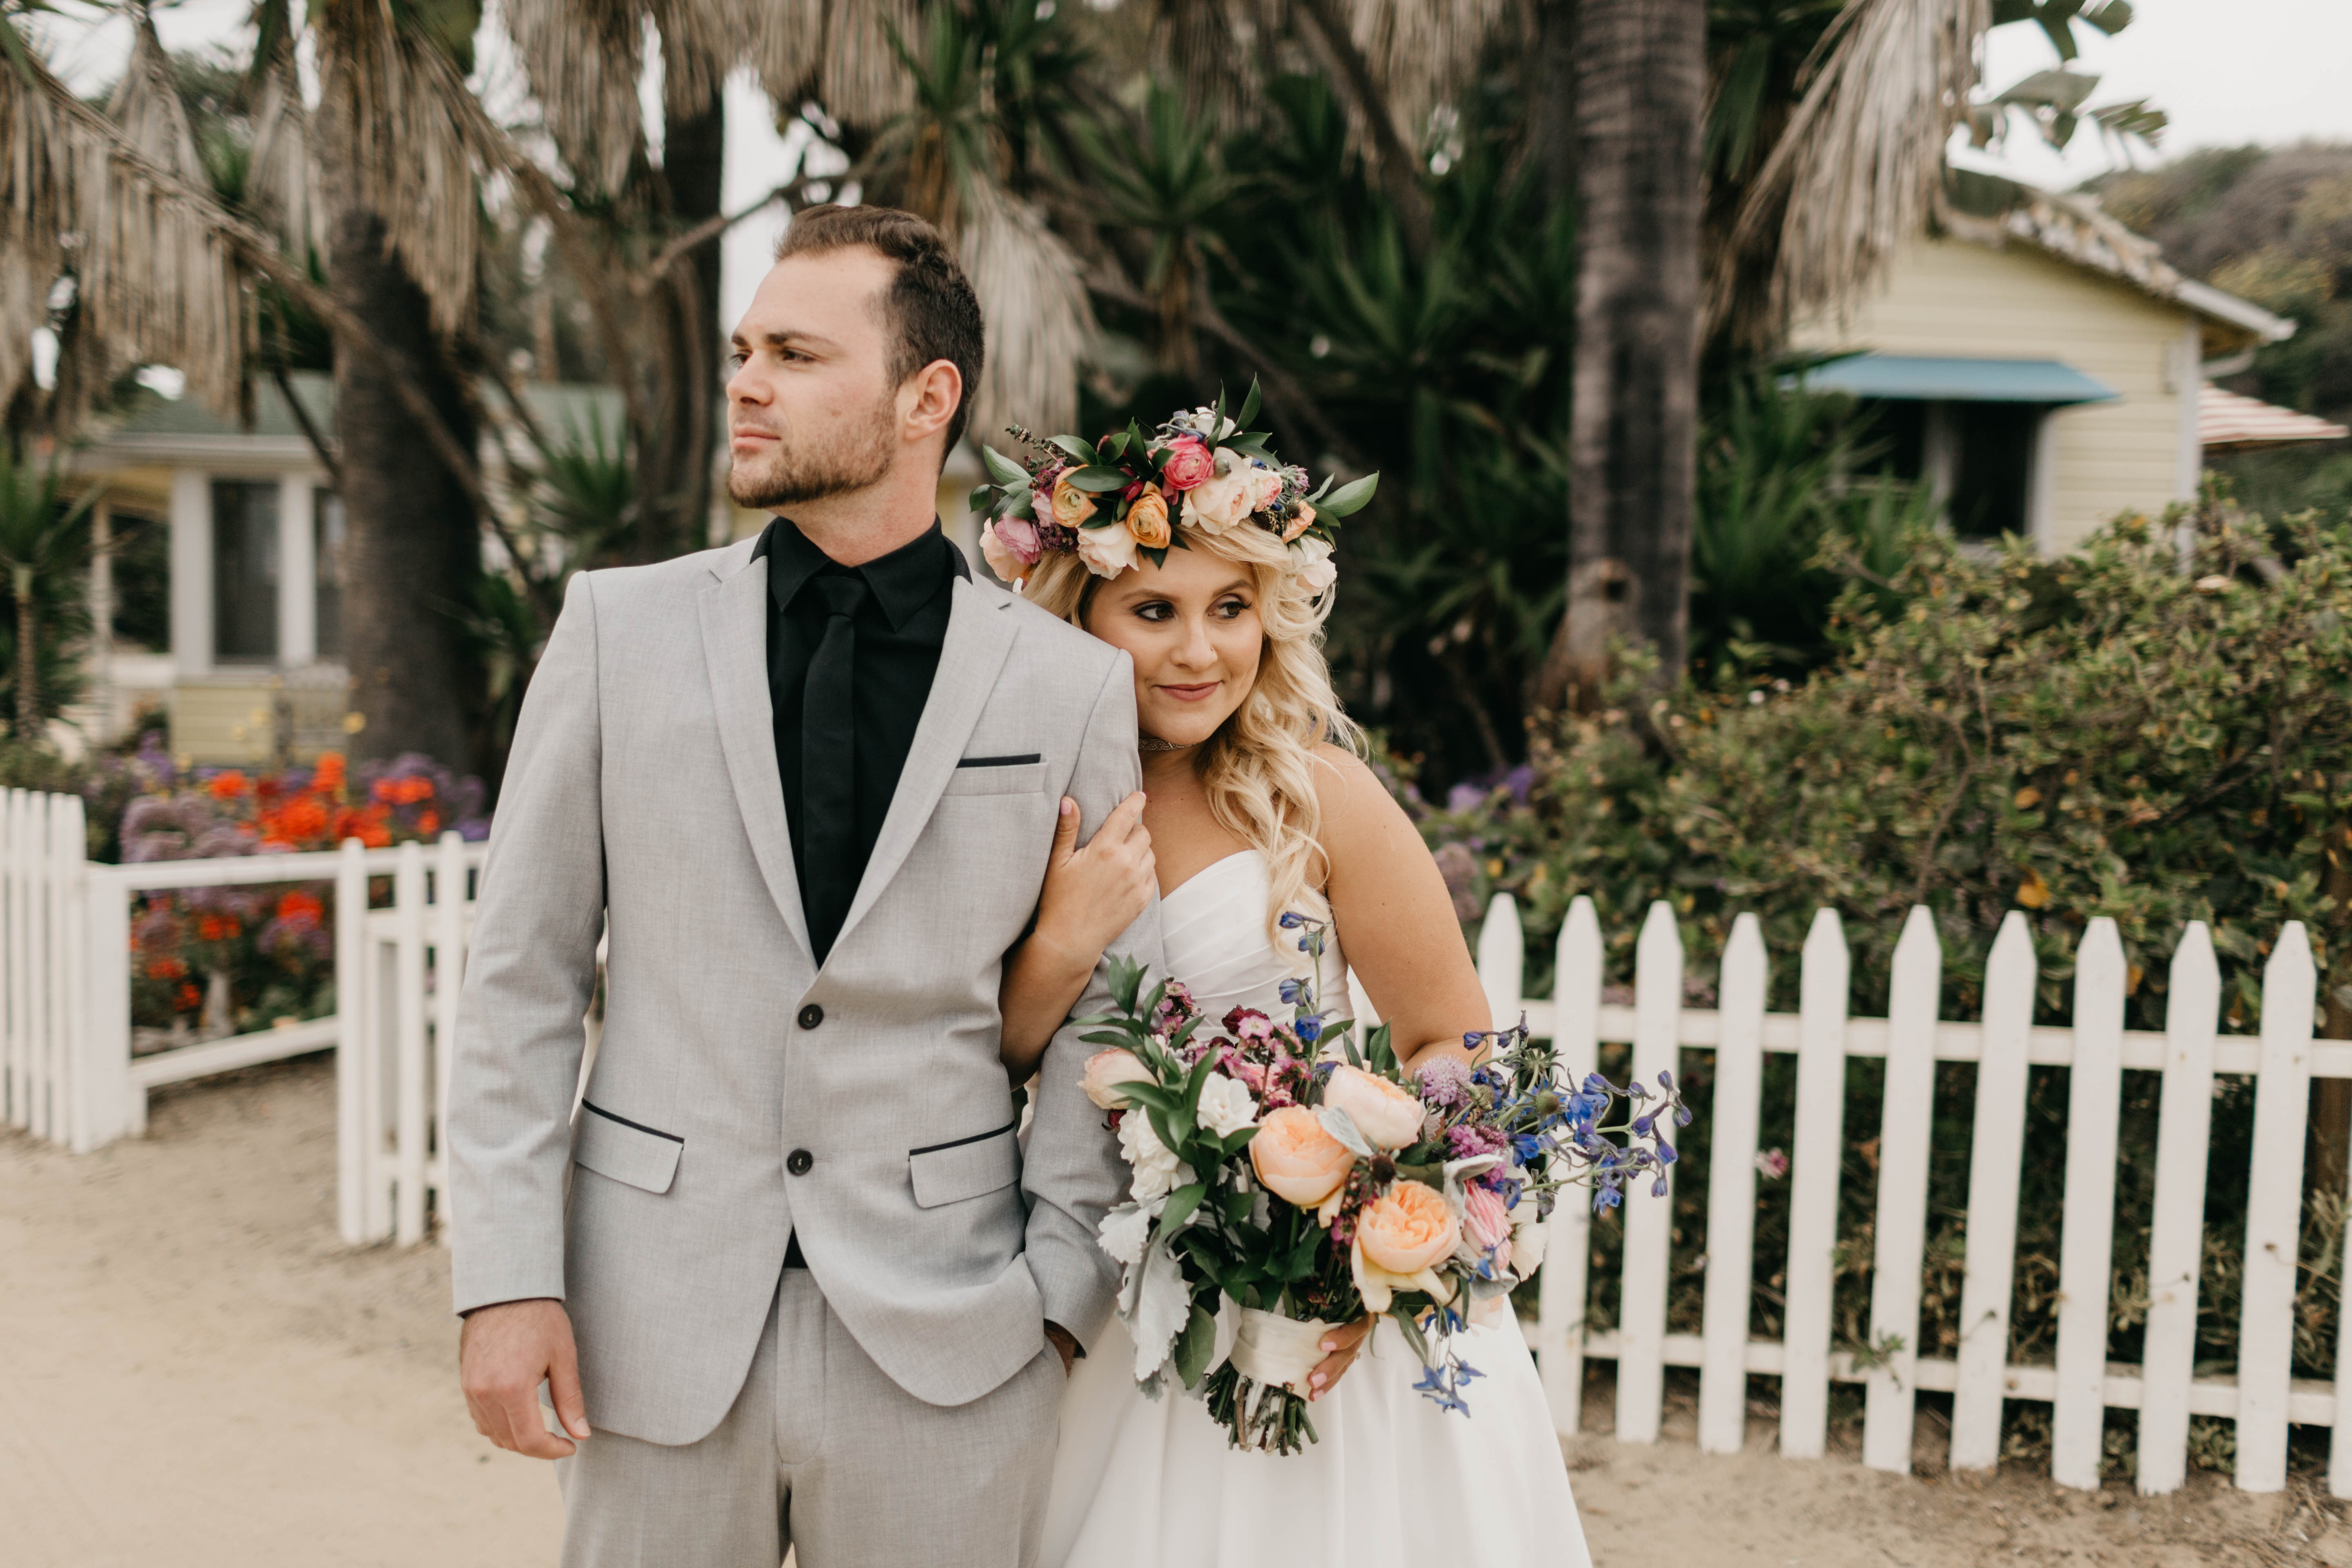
504,1353
1063,1342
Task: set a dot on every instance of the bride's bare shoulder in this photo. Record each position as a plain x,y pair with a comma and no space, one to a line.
1357,808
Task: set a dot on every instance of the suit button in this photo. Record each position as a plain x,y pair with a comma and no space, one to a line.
812,1015
799,1161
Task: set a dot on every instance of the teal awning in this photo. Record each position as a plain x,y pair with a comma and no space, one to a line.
1958,380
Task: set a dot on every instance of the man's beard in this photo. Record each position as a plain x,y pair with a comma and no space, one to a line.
790,477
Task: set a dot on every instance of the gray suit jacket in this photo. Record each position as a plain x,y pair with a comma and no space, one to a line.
722,1113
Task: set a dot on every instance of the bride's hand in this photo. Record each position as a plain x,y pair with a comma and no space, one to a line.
1091,895
1342,1345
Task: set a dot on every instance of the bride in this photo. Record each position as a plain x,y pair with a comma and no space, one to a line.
1254,805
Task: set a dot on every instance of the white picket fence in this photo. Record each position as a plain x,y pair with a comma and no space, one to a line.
66,1073
2262,1397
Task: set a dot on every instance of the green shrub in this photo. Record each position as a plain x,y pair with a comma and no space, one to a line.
2122,732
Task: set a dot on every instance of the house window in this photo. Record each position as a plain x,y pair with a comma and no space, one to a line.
327,523
143,582
244,571
1977,458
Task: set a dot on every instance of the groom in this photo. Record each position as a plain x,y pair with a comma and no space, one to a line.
785,1271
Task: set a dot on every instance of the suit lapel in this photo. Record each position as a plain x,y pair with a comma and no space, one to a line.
979,637
735,647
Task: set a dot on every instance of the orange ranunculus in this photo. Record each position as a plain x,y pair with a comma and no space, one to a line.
1297,1159
1407,1228
1147,519
1071,506
227,785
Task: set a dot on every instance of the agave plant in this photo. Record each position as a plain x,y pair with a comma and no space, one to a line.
44,545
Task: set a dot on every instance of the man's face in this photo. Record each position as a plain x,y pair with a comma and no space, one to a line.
811,409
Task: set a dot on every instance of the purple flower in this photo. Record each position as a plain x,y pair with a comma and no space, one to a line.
1444,1083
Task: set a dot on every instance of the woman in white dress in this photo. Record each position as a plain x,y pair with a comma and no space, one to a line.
1253,805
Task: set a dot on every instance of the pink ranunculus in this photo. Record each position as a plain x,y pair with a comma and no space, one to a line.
1011,547
1269,487
1189,461
1106,1070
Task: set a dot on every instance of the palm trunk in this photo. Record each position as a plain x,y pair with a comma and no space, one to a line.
674,480
28,658
1641,90
414,546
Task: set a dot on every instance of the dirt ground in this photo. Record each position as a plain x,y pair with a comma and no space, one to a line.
195,1372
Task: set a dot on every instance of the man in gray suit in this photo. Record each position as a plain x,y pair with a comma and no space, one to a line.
786,1272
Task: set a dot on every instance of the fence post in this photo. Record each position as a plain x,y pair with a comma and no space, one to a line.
408,1046
2086,1237
1568,1251
1816,1161
2176,1228
448,985
1997,1143
71,975
1905,1129
352,1161
40,998
1649,1221
1731,1190
2274,1214
16,996
1502,960
102,1086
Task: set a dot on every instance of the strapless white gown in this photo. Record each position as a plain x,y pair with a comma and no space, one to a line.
1394,1482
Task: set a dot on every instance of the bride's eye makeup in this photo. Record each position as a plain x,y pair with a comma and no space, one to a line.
1232,607
1155,611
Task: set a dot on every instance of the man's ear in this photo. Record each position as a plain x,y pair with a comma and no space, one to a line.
929,399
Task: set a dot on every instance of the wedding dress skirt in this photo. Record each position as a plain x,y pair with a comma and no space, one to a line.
1393,1481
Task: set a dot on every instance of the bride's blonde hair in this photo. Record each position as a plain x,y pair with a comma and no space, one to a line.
1259,767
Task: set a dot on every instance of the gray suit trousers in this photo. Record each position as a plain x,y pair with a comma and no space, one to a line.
823,1453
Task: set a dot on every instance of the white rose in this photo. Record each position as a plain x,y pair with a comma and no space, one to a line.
1226,501
1156,1167
1109,550
1310,564
1226,1105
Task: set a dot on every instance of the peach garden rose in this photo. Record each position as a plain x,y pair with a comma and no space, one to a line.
1297,1159
1388,1116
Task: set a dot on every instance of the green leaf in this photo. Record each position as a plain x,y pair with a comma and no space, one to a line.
1074,447
1254,445
1383,1054
1180,1204
1195,1345
1126,979
979,500
1002,468
1097,480
1249,405
1155,554
1349,499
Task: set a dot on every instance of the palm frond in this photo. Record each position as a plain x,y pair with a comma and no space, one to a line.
787,46
282,180
1032,297
409,130
583,58
1852,179
155,275
1423,52
860,77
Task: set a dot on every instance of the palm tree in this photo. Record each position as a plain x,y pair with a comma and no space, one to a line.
44,544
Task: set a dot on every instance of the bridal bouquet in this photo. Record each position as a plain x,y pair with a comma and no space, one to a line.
1308,1181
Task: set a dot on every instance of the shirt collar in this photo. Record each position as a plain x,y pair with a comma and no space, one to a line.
902,582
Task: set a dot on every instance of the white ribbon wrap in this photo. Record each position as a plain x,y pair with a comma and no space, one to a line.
1274,1350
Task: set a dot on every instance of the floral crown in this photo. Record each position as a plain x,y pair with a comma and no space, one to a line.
1128,493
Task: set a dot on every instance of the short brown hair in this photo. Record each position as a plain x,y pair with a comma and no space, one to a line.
929,307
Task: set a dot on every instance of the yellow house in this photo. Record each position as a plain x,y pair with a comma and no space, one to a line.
2037,363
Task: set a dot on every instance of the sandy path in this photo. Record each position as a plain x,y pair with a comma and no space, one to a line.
194,1372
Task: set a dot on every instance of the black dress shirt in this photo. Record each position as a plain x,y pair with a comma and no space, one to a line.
900,629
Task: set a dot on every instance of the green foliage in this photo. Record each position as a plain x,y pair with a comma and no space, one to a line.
44,550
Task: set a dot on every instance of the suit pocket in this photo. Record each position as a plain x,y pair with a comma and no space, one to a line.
950,1172
625,1150
991,777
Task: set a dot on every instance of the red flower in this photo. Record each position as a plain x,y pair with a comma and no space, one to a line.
328,774
300,905
227,785
166,969
189,997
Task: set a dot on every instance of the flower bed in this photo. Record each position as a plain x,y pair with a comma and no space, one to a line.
214,961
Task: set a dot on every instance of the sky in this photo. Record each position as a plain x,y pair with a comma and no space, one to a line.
2226,71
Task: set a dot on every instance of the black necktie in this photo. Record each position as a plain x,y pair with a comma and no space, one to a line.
829,764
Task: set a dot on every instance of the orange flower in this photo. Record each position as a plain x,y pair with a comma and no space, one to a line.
228,785
305,817
188,997
428,823
300,905
166,969
328,774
